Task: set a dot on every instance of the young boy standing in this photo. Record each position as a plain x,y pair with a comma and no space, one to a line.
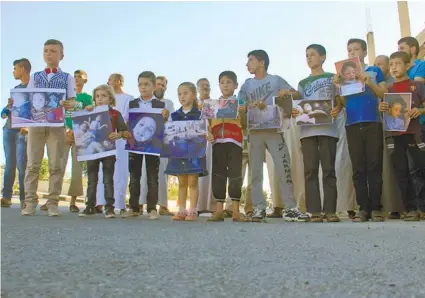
147,82
259,91
227,154
365,135
402,144
53,137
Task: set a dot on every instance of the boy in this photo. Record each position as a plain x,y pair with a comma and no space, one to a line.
319,142
15,141
402,144
259,91
227,154
146,100
53,137
365,135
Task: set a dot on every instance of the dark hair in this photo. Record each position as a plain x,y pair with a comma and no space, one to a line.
200,80
54,42
318,48
261,55
362,43
397,99
148,75
230,74
402,55
80,72
192,88
24,62
347,65
411,42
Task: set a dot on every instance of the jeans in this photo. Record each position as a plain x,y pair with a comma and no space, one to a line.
15,151
108,167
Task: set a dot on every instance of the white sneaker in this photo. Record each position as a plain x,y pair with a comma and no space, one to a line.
53,210
153,215
29,209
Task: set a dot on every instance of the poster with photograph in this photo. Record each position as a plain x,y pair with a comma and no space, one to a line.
397,117
146,126
349,71
314,112
285,104
268,118
185,139
220,108
91,133
37,107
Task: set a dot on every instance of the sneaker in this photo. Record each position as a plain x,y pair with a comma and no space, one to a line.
6,203
181,215
53,210
74,209
259,215
43,207
110,213
89,211
98,209
412,216
165,211
130,213
217,216
153,214
295,215
191,216
29,209
277,213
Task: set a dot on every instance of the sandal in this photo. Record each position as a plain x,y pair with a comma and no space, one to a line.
377,216
227,213
316,217
249,214
331,217
73,208
217,216
239,217
361,216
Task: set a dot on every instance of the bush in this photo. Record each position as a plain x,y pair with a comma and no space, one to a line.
44,170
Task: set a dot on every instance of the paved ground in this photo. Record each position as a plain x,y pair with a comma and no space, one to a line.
74,257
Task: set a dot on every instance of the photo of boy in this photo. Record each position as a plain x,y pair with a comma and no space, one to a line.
397,117
349,72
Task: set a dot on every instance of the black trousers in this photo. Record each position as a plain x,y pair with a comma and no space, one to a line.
226,164
320,150
108,168
365,145
152,170
411,182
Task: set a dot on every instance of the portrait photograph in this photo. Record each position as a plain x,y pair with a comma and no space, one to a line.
349,72
314,112
397,117
220,108
268,118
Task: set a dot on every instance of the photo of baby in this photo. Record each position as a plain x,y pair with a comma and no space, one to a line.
185,139
314,112
220,108
147,129
91,133
37,107
268,118
397,118
349,71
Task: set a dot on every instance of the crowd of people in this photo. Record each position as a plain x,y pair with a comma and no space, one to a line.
331,166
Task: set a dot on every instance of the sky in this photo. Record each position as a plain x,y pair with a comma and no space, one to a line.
188,40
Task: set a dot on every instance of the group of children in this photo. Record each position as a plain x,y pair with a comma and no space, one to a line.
232,146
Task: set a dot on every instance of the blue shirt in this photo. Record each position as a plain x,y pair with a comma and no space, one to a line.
363,107
179,115
418,70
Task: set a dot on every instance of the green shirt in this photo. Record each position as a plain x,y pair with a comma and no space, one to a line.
83,100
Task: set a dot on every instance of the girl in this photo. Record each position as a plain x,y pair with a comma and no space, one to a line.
104,95
187,169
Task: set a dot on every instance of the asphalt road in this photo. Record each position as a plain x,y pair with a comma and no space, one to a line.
75,257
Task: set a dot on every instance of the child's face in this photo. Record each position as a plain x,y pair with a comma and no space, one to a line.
204,89
146,88
313,58
38,101
254,64
349,74
398,68
144,129
102,98
307,108
227,86
186,96
52,55
355,50
80,80
396,110
84,127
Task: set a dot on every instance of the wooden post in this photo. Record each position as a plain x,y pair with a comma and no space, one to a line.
404,19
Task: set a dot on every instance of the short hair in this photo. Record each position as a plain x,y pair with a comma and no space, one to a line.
261,55
54,42
200,80
192,88
411,42
162,78
318,48
402,55
397,99
108,90
24,62
348,64
230,74
148,75
118,76
387,59
362,43
81,72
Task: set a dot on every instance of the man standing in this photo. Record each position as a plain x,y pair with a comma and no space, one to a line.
383,62
161,87
410,45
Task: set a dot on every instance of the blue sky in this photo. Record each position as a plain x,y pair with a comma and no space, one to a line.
188,40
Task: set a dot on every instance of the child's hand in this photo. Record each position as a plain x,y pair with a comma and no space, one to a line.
365,78
335,112
165,113
414,113
126,135
384,106
70,137
210,138
9,103
90,108
261,104
284,93
68,104
242,109
23,131
295,113
115,136
337,80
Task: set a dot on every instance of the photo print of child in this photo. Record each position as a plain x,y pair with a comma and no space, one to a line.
147,130
397,118
285,106
220,108
349,71
268,118
314,112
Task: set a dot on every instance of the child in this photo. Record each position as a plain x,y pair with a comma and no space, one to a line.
147,81
402,144
365,135
187,169
227,154
104,95
351,84
395,118
319,142
39,110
